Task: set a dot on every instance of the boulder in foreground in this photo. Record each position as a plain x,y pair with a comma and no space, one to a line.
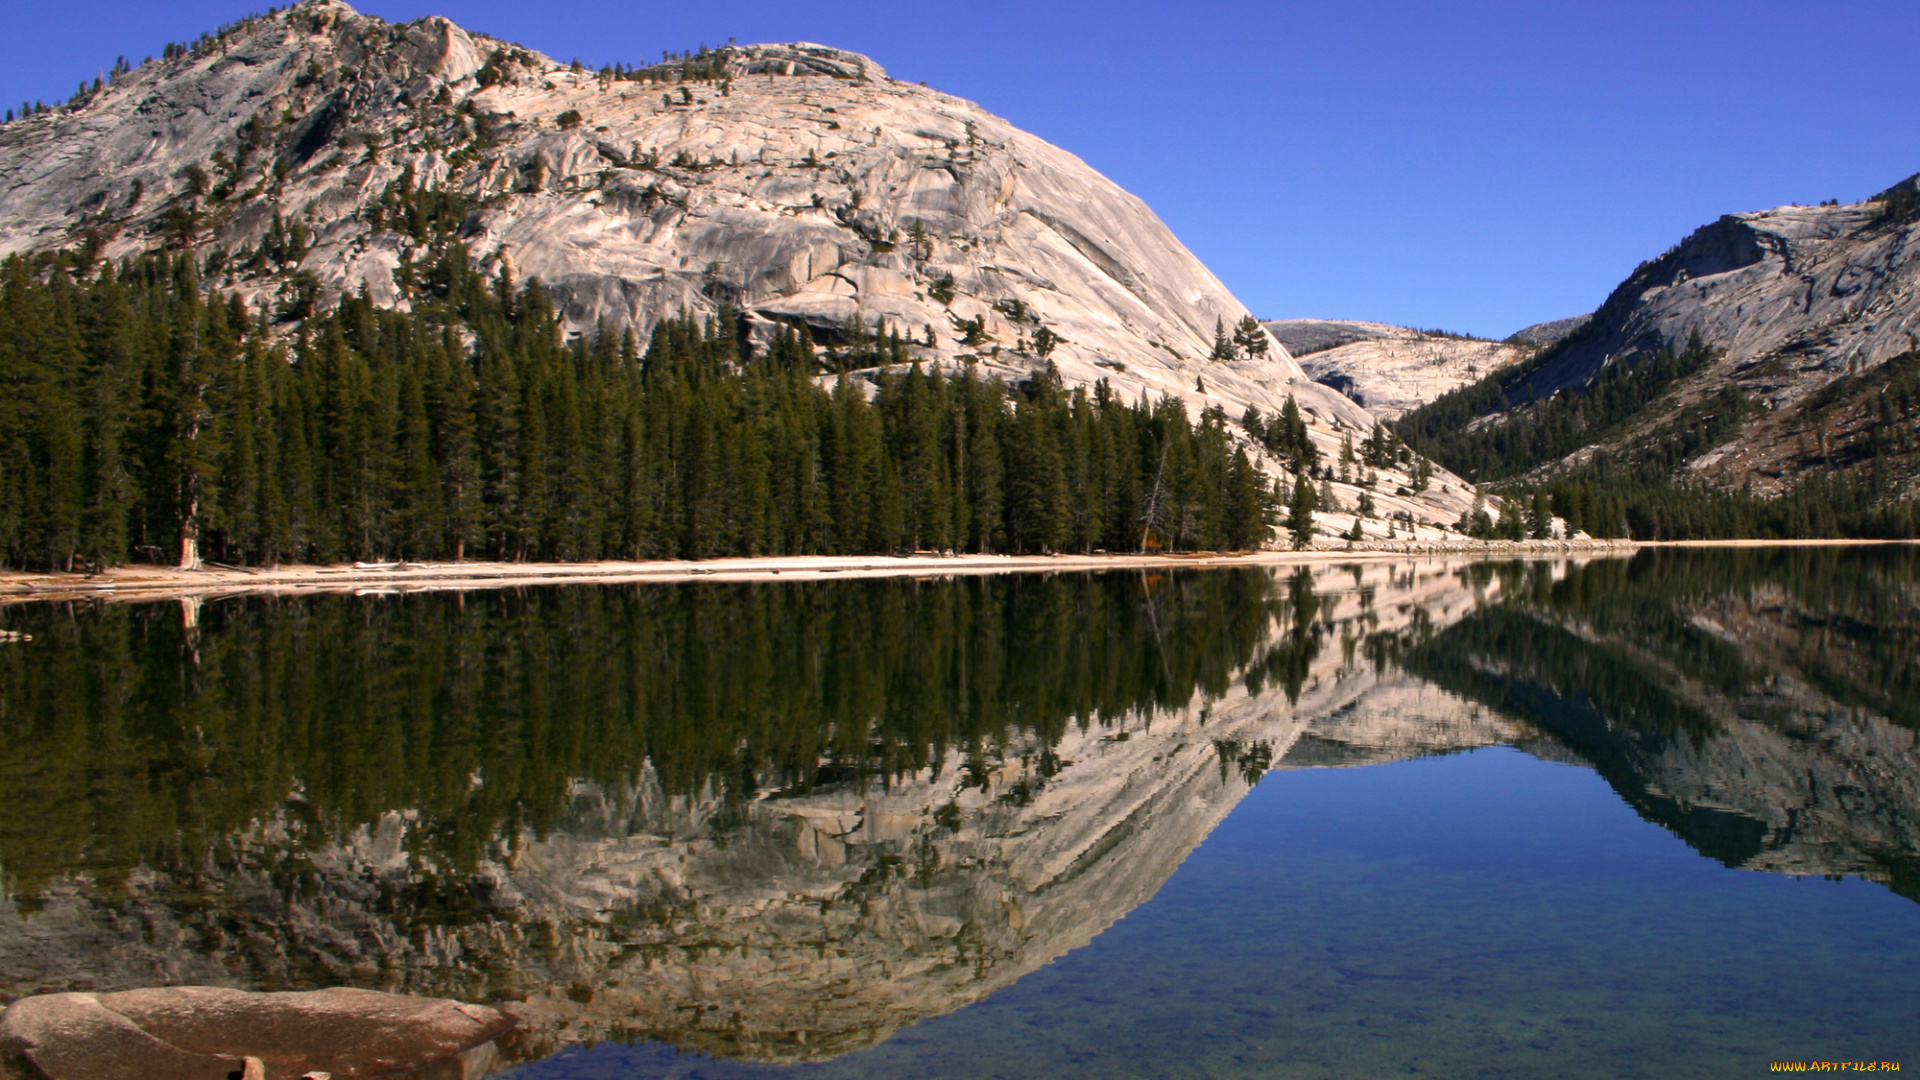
206,1033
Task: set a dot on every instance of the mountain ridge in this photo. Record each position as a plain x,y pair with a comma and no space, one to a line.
1767,355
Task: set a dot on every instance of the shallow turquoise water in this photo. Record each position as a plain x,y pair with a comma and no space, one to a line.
1485,914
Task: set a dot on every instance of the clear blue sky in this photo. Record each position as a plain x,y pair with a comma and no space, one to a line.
1469,166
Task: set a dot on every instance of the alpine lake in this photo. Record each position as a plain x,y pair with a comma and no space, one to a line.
1648,816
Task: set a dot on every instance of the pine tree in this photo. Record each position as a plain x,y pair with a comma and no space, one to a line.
1223,350
1246,519
1288,437
448,397
1250,338
108,392
1300,515
983,410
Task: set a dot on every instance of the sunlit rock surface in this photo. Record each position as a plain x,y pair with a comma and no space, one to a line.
1391,369
1794,296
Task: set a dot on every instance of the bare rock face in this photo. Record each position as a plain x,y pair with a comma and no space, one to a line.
200,1032
1802,308
1551,332
797,183
1303,336
1391,369
1794,296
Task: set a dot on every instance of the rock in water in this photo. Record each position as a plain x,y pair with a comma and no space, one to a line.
798,183
200,1032
74,1036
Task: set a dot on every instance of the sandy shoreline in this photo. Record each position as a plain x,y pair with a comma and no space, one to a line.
147,582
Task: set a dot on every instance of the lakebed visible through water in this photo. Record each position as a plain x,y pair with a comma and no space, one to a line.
1648,816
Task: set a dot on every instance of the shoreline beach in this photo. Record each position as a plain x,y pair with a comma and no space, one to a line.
143,582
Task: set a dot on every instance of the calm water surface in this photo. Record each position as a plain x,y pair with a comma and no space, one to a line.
1652,817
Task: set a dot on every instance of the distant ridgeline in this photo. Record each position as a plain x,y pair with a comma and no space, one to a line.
1855,486
138,418
127,739
1795,416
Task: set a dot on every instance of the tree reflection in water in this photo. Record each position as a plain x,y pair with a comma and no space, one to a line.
778,821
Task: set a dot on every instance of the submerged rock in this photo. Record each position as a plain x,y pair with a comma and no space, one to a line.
203,1032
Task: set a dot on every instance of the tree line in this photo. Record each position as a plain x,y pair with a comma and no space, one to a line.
1535,433
1855,463
143,417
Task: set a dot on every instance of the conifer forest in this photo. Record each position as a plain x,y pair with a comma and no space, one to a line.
144,417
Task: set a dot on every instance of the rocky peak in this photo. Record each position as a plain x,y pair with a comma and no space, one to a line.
1807,330
1793,297
1551,332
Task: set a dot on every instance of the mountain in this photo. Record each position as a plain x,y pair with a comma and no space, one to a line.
1791,297
797,182
1391,369
316,153
1763,349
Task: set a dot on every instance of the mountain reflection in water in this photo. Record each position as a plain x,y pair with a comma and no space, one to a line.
779,821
